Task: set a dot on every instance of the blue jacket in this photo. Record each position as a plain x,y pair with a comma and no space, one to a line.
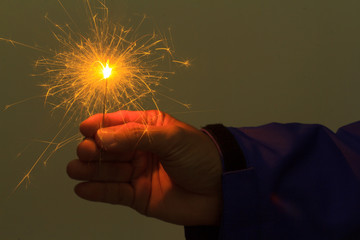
298,181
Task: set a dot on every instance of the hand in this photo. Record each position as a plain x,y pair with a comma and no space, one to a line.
159,166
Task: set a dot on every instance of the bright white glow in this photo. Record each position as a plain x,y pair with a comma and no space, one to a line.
107,71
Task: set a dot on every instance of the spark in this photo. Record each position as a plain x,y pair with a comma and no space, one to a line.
132,65
185,63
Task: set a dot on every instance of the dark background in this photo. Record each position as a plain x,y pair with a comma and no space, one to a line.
253,62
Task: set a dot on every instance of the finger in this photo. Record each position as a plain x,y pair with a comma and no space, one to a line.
131,136
89,127
115,193
88,151
101,172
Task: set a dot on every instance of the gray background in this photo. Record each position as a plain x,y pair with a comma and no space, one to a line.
254,62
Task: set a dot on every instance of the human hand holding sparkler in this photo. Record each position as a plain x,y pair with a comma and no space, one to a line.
159,166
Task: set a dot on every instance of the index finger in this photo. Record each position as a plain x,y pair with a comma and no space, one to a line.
90,126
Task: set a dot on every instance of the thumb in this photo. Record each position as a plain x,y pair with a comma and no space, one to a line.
132,136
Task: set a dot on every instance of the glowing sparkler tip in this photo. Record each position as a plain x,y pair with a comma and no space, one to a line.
107,70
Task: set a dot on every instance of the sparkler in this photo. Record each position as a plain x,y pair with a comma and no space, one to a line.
128,65
108,68
106,72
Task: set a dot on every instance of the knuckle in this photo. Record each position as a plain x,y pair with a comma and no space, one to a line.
155,117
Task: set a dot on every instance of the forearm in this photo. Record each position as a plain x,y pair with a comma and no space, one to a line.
299,181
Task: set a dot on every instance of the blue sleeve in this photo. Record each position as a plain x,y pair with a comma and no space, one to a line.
302,181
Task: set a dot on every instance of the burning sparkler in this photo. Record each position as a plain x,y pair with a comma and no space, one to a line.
128,65
106,72
106,69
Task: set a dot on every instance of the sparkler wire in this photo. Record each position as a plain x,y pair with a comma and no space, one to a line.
103,117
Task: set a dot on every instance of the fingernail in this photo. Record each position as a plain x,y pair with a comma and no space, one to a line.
106,137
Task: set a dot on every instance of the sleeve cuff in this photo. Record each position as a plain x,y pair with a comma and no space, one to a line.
240,192
232,156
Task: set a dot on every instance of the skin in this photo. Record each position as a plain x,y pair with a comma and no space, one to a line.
151,162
